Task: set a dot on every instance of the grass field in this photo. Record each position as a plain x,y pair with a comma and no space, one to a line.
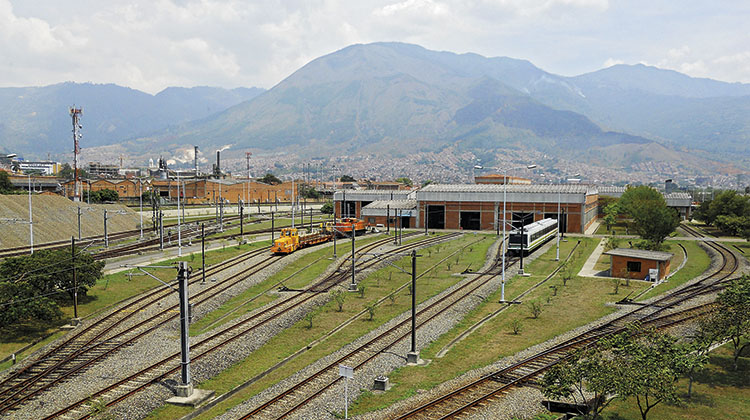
562,310
579,302
378,285
719,393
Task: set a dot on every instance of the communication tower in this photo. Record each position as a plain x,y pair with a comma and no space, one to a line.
75,114
247,156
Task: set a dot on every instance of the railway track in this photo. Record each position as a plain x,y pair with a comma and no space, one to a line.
464,401
204,347
148,244
299,395
102,338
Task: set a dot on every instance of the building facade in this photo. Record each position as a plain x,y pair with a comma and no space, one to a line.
477,206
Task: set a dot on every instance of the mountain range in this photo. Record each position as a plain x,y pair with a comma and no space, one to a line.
395,98
35,121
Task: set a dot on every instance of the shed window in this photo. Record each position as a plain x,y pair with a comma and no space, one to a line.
634,266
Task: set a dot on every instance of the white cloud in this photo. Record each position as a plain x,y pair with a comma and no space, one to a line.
152,44
611,62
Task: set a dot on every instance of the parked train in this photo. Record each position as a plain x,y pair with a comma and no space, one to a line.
292,239
533,236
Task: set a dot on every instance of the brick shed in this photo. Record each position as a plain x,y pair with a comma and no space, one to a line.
635,263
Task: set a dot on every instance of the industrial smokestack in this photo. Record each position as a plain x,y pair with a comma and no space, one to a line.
218,162
195,159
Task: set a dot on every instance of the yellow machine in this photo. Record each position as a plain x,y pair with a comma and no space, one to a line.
292,239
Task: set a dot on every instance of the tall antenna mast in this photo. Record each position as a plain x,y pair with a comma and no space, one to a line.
247,156
75,114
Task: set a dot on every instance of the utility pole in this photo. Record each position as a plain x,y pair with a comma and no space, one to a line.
79,223
186,388
179,225
75,280
272,227
388,219
242,226
413,355
161,230
203,251
523,237
353,286
557,237
106,239
75,114
140,199
31,221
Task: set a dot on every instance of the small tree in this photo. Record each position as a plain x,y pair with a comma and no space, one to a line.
5,184
404,180
370,311
361,291
516,326
586,370
615,286
733,314
610,215
327,208
535,308
566,272
339,297
347,178
646,365
309,318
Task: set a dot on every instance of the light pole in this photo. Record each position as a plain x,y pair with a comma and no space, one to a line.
505,239
31,221
140,200
557,252
179,222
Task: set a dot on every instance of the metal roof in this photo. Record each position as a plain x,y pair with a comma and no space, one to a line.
372,195
611,191
640,253
392,204
511,188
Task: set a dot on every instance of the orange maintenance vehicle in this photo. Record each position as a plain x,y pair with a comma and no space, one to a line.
344,226
292,239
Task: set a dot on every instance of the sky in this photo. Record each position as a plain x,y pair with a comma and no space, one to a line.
153,44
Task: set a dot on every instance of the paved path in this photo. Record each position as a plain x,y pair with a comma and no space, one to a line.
588,267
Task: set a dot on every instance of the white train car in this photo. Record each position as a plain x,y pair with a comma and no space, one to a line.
533,236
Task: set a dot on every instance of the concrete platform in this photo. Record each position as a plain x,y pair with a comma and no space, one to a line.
198,397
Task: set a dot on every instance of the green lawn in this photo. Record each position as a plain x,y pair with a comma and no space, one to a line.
581,301
383,282
619,228
719,392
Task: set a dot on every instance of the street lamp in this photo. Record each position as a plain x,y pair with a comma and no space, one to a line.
31,221
559,224
505,240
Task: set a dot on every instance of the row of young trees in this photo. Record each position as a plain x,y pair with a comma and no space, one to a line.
645,365
33,287
728,211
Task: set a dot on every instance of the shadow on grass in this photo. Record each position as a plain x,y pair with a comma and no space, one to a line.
721,372
27,332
